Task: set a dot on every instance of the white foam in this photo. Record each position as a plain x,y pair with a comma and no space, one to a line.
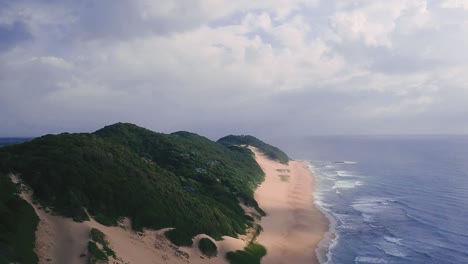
342,173
345,162
325,247
330,238
367,218
391,249
370,205
346,221
327,175
346,184
318,200
395,240
363,259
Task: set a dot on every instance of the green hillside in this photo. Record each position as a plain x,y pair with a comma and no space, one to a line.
18,223
271,151
180,180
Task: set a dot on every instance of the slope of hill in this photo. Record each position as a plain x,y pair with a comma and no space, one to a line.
180,180
17,226
155,179
271,151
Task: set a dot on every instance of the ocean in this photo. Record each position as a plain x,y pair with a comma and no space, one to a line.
391,199
12,140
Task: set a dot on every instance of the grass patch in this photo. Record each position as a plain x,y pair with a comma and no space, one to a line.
97,236
103,251
252,254
96,254
207,247
284,178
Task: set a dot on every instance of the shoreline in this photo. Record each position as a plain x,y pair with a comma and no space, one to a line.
294,225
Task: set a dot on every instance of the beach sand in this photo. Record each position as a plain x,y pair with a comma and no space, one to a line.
293,226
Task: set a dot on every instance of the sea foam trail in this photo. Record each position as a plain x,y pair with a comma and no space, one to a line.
346,184
363,259
343,173
329,241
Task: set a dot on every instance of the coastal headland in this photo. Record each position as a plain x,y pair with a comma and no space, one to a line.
125,194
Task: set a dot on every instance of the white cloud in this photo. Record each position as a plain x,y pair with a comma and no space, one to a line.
374,22
455,4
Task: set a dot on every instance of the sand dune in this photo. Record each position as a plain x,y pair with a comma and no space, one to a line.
60,240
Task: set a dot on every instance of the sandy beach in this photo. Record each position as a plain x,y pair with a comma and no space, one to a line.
293,226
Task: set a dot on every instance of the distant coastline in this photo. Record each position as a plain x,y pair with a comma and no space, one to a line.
5,141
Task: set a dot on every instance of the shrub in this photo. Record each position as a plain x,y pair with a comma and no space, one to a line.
252,254
100,238
207,247
96,254
18,223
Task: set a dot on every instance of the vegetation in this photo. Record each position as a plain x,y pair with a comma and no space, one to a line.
272,152
98,247
95,253
284,178
207,247
179,180
252,254
18,223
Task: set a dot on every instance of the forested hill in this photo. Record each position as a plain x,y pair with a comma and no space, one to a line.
179,180
269,150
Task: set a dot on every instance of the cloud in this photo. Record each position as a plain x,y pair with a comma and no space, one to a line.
13,34
374,22
455,4
293,67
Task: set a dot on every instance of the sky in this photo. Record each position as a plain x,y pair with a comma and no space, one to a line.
216,67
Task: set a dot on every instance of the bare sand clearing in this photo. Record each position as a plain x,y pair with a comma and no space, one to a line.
60,240
293,226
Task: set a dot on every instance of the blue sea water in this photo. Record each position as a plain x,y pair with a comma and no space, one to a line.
391,199
12,140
